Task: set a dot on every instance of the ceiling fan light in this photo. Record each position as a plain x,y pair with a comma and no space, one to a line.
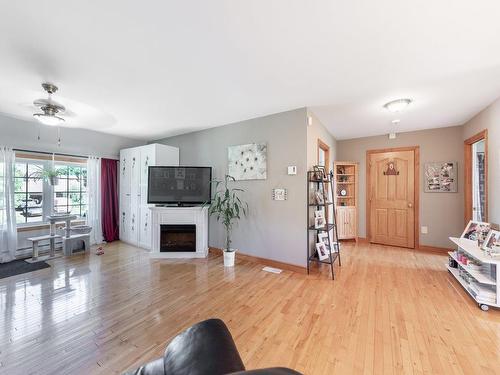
47,119
397,105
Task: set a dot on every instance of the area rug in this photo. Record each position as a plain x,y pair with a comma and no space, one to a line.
18,267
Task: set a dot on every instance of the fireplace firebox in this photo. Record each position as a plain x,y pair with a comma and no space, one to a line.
177,238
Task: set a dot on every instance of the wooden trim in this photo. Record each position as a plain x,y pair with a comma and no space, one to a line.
482,135
323,146
36,156
264,261
416,188
338,207
434,249
362,240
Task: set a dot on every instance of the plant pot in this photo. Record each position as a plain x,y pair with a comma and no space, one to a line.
53,180
229,258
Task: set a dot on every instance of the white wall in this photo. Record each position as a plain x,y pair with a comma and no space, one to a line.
489,119
317,131
23,135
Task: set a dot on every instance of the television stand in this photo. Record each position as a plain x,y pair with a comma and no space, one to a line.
178,205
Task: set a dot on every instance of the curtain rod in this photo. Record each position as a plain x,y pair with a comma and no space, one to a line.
50,153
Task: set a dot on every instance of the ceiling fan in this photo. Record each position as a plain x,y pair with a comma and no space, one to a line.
50,108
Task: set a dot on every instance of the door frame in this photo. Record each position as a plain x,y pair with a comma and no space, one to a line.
482,135
326,149
416,184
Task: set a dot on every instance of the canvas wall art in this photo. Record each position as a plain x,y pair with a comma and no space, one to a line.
248,162
441,177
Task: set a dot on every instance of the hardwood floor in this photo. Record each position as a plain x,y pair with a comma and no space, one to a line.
389,311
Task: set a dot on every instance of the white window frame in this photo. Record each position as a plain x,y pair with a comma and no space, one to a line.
48,190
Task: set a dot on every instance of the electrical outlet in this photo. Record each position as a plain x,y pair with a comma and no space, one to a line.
424,230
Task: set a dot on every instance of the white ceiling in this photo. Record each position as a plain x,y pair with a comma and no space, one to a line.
149,69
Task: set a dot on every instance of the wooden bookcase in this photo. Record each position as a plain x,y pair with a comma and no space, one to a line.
346,198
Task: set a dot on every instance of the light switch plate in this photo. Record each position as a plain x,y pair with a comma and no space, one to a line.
292,169
424,230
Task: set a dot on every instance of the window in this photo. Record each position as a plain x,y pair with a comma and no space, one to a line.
28,199
70,194
35,198
2,200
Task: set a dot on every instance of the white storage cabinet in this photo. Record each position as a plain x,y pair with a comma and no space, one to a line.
135,216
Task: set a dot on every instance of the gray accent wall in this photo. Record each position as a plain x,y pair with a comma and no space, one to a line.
317,131
442,213
23,135
274,229
489,119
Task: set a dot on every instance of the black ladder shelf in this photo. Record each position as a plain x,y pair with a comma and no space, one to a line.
318,178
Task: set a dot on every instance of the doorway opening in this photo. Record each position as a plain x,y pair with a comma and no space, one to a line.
324,155
324,161
476,177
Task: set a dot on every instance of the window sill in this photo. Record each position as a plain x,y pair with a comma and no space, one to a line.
32,227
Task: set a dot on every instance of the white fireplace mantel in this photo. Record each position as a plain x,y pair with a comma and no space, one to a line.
180,215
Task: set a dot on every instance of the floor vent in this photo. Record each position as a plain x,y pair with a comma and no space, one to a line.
272,270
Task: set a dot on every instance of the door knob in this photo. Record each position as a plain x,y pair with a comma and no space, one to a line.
410,205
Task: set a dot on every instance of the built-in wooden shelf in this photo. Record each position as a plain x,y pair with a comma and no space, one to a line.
346,206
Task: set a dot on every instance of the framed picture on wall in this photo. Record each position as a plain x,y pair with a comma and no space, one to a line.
441,177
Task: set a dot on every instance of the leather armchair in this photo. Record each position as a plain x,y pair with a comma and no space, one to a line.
206,348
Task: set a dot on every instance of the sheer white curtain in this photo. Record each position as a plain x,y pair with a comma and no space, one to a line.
94,199
8,230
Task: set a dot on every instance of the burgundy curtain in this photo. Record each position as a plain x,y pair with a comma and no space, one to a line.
109,199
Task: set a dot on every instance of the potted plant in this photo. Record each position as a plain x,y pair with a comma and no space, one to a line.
228,208
49,174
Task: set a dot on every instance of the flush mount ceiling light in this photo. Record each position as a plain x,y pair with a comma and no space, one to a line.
397,105
395,121
49,107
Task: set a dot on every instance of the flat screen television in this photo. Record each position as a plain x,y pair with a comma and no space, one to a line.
179,185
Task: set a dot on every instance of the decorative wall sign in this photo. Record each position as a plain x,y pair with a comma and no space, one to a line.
391,169
440,177
247,162
280,194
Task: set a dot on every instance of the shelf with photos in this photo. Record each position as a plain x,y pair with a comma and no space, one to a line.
322,231
475,263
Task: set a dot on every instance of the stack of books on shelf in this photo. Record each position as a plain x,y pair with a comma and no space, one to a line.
482,293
